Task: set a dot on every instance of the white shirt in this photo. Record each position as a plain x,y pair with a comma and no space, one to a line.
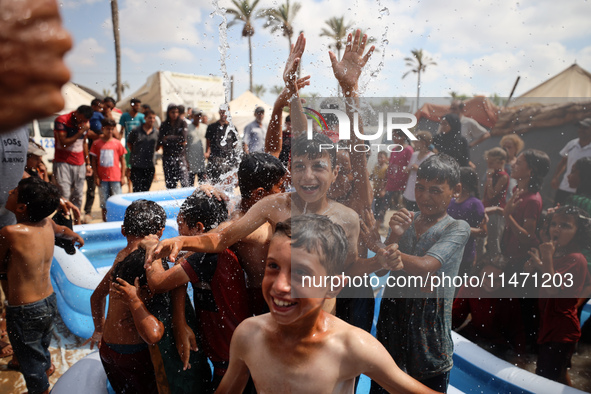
254,137
573,151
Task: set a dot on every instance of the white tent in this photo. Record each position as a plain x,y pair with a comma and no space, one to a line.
242,110
165,87
74,97
573,84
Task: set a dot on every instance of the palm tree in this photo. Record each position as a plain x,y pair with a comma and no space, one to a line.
418,63
243,13
281,18
259,90
123,85
115,18
337,31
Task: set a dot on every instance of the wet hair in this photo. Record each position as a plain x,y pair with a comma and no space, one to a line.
317,234
198,208
259,169
469,181
454,123
425,136
135,101
582,221
107,122
584,167
496,153
302,146
440,167
539,165
517,141
86,111
131,267
143,218
96,102
41,198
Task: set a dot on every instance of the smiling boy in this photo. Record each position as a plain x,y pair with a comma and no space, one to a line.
298,347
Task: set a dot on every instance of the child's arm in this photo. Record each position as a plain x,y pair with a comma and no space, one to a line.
399,223
94,165
148,326
525,232
490,190
184,337
220,241
237,375
274,137
161,281
123,168
65,232
374,361
98,302
450,244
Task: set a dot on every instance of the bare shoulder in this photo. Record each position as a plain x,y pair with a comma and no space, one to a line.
250,331
344,216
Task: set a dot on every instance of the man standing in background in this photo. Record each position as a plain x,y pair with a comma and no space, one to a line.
254,134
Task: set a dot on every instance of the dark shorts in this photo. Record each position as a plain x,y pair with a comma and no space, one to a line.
30,328
554,358
129,372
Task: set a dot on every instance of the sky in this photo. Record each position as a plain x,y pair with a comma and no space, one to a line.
480,47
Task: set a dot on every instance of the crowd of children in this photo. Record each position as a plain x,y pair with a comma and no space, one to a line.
253,316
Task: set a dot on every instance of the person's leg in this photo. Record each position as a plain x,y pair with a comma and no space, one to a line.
103,196
183,172
170,173
149,174
30,328
90,187
63,179
438,383
78,178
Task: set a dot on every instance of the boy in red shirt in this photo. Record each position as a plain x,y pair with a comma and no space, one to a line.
108,163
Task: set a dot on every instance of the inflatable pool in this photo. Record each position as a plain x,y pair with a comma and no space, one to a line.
74,277
86,376
171,200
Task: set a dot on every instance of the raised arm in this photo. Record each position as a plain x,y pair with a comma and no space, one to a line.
347,72
299,123
256,216
274,137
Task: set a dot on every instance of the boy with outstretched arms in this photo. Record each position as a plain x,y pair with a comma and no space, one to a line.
415,323
298,347
26,253
219,287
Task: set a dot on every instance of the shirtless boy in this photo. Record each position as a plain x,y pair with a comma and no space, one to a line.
297,347
26,252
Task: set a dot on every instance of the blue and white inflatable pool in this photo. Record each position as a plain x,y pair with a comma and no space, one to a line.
171,200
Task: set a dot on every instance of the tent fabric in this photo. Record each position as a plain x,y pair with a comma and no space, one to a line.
242,110
74,97
526,118
478,108
166,87
573,83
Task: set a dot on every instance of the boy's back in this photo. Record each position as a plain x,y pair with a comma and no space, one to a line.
28,267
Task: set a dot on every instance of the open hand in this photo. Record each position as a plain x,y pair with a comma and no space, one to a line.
185,341
368,234
348,69
128,293
95,339
293,61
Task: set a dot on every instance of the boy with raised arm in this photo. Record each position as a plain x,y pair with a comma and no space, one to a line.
26,253
298,347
